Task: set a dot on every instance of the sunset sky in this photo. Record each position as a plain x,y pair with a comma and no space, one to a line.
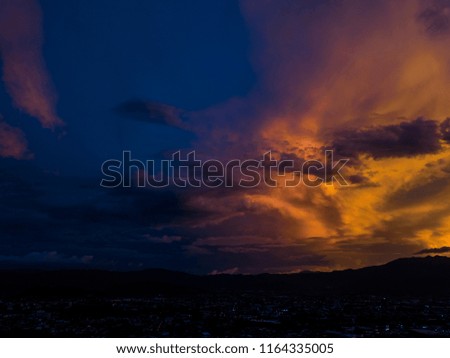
82,81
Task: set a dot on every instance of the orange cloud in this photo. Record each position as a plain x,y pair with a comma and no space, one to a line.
352,62
12,142
24,72
369,67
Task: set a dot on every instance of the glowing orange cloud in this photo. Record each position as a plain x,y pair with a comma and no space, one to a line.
380,72
356,65
351,63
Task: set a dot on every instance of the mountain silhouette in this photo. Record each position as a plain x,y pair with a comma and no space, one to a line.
417,276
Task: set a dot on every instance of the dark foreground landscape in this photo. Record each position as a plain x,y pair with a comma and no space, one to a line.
404,298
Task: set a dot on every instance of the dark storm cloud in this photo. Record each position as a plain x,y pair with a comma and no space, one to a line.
437,250
436,17
407,139
445,129
358,179
418,194
152,112
112,227
193,230
133,206
125,228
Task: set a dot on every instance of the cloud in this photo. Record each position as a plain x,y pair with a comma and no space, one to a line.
337,64
437,250
230,271
153,112
368,79
325,66
445,129
374,68
24,72
436,17
13,143
193,229
406,139
165,239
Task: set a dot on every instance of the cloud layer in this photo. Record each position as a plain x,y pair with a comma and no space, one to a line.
24,71
369,79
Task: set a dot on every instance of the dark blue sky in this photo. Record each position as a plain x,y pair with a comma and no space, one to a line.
103,53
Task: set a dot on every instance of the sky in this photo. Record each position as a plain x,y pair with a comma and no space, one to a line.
82,81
